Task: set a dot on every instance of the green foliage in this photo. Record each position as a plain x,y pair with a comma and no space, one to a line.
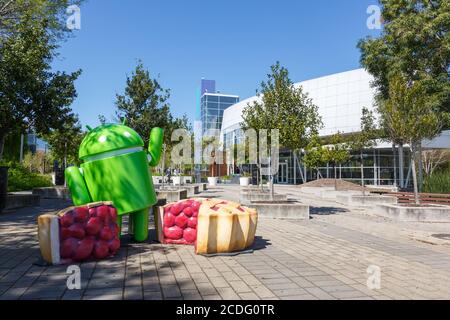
438,182
145,106
365,139
65,142
410,114
32,96
314,154
337,152
415,42
283,106
12,147
38,162
53,12
21,179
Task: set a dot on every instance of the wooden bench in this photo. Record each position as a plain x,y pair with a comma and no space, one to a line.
425,198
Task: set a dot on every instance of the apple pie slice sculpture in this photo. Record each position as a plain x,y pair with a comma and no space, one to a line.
212,225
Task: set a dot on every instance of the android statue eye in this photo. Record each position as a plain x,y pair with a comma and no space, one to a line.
102,139
127,134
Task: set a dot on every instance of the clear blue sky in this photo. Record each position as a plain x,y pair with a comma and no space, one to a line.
231,41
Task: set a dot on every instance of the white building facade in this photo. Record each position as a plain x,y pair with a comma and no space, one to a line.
340,99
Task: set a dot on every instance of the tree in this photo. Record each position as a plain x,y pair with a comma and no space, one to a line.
144,106
282,106
65,142
365,139
336,154
412,114
38,162
31,95
53,12
314,154
434,159
415,43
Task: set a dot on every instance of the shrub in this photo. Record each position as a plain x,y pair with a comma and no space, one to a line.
21,179
438,182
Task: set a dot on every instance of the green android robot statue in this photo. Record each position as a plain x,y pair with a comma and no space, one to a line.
116,168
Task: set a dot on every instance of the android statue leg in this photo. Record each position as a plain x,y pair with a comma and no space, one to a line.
140,224
130,224
119,224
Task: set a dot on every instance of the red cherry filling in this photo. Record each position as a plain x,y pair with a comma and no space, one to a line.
89,233
180,222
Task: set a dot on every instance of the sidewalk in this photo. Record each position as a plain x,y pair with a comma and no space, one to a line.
324,258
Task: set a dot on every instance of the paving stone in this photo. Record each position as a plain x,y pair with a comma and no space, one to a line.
213,297
219,282
191,295
240,286
133,293
171,291
249,296
151,295
228,294
206,289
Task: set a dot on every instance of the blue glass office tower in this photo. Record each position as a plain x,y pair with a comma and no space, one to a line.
212,105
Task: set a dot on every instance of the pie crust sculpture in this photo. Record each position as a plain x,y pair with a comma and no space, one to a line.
221,226
78,234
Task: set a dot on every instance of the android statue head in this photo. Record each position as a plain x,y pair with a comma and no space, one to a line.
116,168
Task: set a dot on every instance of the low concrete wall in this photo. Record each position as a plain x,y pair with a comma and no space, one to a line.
358,200
414,214
292,210
172,196
255,197
15,201
317,191
52,193
192,190
333,195
202,186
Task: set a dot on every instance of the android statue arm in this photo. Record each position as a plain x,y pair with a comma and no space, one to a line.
155,146
77,186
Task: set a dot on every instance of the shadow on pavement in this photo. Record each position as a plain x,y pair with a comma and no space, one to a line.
326,211
260,243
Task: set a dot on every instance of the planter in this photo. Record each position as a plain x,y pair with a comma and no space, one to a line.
176,181
212,181
282,210
244,181
357,200
3,187
409,213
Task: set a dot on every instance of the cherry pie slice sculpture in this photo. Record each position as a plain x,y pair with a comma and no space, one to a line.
77,234
212,225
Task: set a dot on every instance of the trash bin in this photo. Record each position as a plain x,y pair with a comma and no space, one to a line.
3,187
59,177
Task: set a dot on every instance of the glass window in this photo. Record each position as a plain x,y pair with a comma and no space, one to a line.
213,98
213,112
229,100
213,105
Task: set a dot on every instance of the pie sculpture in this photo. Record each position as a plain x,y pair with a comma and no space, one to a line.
77,234
220,226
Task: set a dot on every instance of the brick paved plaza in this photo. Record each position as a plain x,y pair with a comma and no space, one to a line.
324,258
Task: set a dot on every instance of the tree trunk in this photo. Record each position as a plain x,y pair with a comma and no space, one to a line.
362,175
420,166
414,173
401,166
335,177
2,145
395,165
